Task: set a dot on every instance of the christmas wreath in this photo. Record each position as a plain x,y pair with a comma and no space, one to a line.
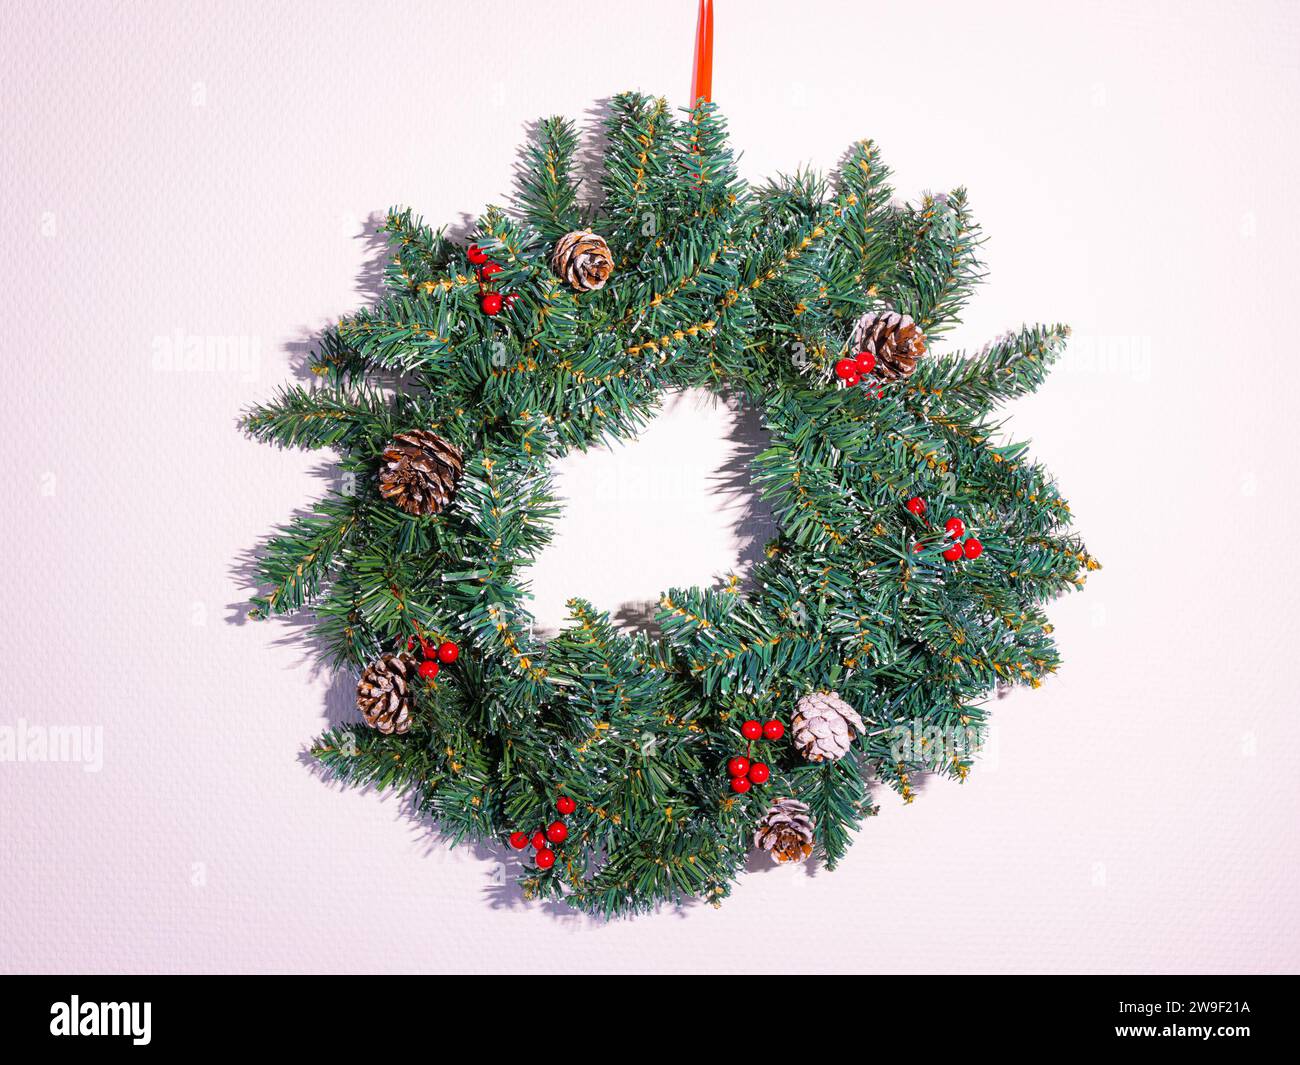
915,553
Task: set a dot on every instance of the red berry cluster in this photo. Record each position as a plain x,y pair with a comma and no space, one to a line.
856,370
744,773
556,832
954,529
484,268
445,652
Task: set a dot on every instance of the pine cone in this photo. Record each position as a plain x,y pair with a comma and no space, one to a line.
420,472
786,831
892,338
583,260
824,725
383,694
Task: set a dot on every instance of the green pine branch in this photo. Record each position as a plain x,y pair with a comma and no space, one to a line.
326,416
548,192
1015,364
938,263
297,562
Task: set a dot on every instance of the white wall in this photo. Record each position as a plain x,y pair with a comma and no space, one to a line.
206,171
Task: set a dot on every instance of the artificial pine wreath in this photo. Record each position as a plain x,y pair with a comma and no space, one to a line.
914,558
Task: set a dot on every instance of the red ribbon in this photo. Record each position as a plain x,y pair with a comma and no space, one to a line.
702,81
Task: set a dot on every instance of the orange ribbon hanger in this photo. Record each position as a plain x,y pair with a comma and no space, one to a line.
702,83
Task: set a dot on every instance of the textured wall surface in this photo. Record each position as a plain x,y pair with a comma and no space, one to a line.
180,175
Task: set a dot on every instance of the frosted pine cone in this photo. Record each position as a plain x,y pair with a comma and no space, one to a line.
824,726
583,259
786,831
384,693
893,338
420,472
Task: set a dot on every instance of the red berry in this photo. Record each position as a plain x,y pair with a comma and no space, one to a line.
556,832
852,379
476,254
954,527
448,652
565,805
740,785
491,303
428,670
510,298
866,362
519,840
846,368
916,505
751,730
974,548
918,548
758,773
545,858
738,766
953,553
487,270
539,841
773,730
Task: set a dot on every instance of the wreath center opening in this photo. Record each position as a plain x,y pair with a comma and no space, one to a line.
672,507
